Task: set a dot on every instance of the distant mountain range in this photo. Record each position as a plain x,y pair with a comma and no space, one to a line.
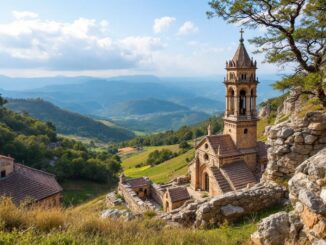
145,103
69,123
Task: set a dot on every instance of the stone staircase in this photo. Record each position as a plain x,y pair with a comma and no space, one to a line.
239,174
222,182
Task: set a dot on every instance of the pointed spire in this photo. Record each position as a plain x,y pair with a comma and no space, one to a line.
241,57
209,130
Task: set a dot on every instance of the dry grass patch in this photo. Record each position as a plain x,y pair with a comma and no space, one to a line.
47,219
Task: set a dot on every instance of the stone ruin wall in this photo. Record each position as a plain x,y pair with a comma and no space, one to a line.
157,194
133,201
227,207
292,142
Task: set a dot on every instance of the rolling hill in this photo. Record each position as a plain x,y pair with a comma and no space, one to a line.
163,122
145,107
69,123
145,103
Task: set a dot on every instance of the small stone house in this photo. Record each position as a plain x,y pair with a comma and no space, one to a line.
175,197
141,186
21,183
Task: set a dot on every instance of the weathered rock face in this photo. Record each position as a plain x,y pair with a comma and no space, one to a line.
292,142
264,111
291,103
306,224
227,207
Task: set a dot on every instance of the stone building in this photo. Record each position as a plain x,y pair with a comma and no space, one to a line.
232,160
141,194
22,183
174,198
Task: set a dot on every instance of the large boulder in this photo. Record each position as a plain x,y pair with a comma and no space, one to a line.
306,224
272,230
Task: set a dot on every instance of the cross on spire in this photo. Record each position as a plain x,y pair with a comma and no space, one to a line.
241,35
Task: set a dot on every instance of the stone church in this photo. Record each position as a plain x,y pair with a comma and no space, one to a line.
232,160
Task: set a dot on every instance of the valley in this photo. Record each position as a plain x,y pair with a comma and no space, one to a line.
143,104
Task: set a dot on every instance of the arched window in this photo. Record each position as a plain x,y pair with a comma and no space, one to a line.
243,76
245,131
206,156
206,146
252,99
242,102
231,100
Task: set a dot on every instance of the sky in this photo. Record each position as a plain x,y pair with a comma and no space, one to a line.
170,38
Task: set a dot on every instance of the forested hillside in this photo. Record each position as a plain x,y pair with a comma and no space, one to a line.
67,122
36,144
182,134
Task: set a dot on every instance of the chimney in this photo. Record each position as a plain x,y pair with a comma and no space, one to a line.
209,130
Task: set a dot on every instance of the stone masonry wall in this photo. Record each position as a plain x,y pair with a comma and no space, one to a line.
306,224
134,202
229,206
157,194
292,142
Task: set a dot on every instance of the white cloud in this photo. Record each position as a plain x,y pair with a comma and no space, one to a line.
162,23
29,42
24,15
187,27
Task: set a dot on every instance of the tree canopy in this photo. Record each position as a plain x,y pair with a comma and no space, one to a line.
294,37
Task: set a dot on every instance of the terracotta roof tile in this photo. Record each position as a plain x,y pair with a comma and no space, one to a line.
239,174
178,194
137,182
28,182
224,144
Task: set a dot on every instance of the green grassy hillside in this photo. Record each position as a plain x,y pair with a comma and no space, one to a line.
67,122
161,173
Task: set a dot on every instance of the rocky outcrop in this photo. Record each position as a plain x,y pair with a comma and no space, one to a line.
292,142
115,213
227,207
264,111
291,103
306,224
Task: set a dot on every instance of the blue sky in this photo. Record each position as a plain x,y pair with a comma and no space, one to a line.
116,37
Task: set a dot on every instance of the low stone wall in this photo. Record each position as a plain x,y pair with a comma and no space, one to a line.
157,193
133,201
227,207
292,142
306,224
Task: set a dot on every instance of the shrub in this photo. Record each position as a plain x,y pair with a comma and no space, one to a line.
184,145
149,214
156,157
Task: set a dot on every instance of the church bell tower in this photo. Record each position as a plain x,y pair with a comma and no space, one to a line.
240,119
